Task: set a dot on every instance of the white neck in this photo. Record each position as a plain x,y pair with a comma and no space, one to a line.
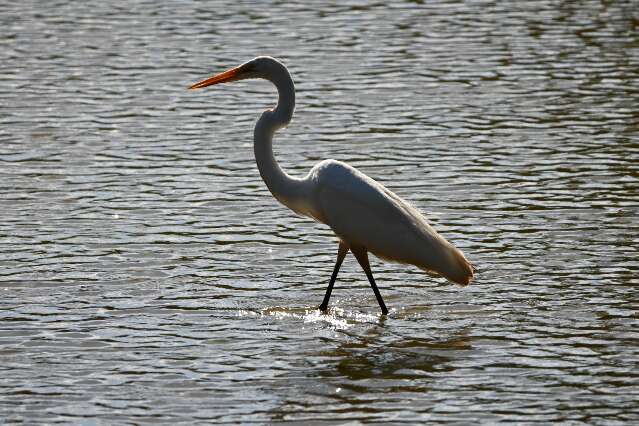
286,189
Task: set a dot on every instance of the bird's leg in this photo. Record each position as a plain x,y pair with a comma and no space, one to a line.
341,254
362,257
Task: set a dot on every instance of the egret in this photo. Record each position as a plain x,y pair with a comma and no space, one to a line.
364,215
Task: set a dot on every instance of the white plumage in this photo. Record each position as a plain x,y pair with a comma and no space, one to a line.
365,215
362,211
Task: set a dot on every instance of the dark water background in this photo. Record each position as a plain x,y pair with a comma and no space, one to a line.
147,275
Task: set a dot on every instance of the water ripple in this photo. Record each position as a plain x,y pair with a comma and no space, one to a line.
148,276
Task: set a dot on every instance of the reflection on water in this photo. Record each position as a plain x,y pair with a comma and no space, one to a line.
148,276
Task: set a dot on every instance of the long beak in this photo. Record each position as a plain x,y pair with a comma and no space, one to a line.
226,76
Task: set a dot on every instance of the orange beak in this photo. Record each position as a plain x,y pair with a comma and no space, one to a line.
226,76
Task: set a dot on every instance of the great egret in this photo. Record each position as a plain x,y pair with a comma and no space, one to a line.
365,215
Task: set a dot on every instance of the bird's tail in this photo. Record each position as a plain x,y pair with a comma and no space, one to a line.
451,264
459,270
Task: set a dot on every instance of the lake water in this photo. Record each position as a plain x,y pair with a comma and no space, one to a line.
148,276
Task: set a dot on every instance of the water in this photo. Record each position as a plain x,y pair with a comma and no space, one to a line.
147,275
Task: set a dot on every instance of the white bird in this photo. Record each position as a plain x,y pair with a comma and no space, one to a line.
365,215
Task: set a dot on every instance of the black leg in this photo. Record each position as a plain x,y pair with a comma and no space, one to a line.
341,254
362,257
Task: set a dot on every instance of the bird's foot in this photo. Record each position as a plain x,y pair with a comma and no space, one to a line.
323,308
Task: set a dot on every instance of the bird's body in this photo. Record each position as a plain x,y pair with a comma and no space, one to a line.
365,215
361,211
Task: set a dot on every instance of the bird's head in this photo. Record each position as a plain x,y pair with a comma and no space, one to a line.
260,67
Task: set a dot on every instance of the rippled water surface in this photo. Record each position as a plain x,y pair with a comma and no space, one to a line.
148,276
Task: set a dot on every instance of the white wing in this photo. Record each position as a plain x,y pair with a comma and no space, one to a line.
361,211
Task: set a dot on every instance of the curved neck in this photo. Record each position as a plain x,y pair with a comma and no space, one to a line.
283,187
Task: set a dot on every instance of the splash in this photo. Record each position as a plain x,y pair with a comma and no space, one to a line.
336,318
